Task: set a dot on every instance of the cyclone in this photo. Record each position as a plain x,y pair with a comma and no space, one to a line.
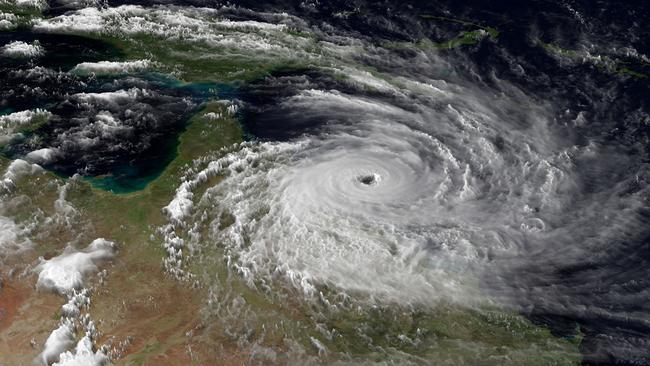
411,201
417,192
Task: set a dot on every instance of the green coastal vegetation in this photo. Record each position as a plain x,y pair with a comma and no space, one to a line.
611,65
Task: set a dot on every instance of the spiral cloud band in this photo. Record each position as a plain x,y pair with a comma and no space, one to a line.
407,200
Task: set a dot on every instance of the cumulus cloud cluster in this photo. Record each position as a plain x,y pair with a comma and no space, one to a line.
112,67
35,4
66,272
22,49
7,21
171,23
209,33
90,132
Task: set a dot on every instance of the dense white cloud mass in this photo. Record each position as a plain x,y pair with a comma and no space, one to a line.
167,22
112,67
204,34
170,23
65,272
22,49
16,170
60,340
83,355
41,156
7,21
22,118
13,237
11,124
34,4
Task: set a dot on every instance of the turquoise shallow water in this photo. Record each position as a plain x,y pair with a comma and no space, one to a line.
132,176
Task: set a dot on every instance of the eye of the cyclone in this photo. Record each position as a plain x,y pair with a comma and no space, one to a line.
368,179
